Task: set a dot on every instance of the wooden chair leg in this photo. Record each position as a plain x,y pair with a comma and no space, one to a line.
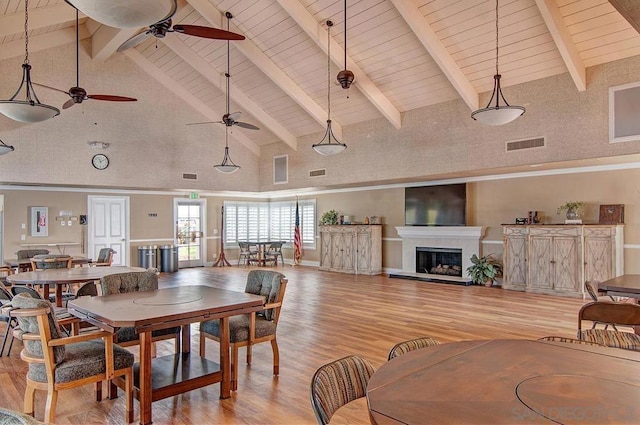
113,390
249,353
202,344
234,367
29,396
128,388
154,350
99,391
276,357
50,406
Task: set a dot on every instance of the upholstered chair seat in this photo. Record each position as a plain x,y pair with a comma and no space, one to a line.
611,338
239,328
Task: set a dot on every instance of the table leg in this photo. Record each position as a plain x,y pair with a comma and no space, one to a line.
186,338
225,365
45,291
145,378
58,294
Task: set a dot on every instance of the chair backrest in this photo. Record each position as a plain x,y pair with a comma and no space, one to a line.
275,247
51,261
624,314
129,282
592,289
337,383
28,253
244,247
11,417
269,284
21,289
5,295
567,340
88,289
105,257
411,345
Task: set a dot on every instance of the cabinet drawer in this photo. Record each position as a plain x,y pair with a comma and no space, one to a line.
555,231
599,232
515,231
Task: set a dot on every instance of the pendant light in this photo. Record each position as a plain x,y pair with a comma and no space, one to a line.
4,148
345,77
498,114
126,13
227,166
30,109
326,146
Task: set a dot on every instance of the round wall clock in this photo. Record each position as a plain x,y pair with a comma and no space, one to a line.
100,161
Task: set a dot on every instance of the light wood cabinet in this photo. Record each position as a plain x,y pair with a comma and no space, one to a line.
355,249
558,259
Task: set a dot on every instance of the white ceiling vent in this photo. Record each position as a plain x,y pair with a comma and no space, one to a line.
189,176
318,173
517,145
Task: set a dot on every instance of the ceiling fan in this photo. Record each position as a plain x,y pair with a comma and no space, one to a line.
77,93
229,119
161,28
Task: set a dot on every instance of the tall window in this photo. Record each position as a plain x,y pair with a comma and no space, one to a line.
250,221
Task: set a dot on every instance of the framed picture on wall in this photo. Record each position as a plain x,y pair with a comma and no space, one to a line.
39,221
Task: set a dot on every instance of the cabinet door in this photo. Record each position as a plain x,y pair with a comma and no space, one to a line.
541,274
363,253
598,258
343,251
566,267
515,262
325,249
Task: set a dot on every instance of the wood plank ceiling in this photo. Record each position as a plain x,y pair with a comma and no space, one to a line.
406,54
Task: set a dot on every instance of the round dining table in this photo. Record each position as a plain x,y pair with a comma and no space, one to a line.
507,382
61,277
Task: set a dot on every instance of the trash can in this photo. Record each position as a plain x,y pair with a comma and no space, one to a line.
168,259
147,256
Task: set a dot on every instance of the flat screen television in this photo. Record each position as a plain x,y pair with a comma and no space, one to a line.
443,205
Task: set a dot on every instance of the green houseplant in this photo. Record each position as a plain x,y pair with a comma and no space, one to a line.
572,209
329,218
484,269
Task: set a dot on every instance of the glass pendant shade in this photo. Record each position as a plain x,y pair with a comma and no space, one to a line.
5,149
227,166
326,145
126,13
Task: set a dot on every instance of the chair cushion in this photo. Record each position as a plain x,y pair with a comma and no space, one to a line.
29,253
82,360
41,264
103,255
267,284
10,417
129,334
626,340
239,328
30,325
129,282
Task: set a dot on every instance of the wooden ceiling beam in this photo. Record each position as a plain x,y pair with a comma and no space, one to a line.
40,17
413,17
252,52
106,40
630,10
561,37
318,35
175,87
42,42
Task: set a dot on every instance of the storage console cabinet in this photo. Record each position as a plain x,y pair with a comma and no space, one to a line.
355,249
558,259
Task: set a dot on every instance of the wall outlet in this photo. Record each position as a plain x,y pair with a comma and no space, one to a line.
23,226
23,237
69,223
63,222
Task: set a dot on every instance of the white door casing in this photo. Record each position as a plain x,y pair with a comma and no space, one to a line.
108,227
190,218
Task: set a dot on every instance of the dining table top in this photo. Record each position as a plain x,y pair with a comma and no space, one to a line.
72,275
507,381
625,285
15,262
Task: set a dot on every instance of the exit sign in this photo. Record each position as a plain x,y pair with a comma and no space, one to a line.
194,195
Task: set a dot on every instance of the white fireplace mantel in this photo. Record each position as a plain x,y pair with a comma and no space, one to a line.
466,238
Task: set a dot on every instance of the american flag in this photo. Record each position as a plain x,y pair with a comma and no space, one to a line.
297,242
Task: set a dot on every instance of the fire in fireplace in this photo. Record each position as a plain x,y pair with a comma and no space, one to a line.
442,261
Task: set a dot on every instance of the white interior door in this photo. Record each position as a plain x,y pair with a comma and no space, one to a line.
108,227
189,216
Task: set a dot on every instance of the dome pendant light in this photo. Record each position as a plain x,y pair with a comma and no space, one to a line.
345,77
5,149
498,114
326,146
30,109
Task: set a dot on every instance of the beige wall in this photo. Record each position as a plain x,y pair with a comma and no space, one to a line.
490,203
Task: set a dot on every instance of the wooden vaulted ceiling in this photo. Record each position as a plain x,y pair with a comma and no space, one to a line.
406,54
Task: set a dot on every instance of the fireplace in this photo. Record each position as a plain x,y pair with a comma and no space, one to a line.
439,261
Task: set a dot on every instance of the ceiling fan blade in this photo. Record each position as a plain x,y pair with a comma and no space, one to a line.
51,88
207,32
68,104
134,41
246,125
205,122
233,116
111,98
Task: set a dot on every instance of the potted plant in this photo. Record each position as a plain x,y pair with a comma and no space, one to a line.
572,209
329,218
484,270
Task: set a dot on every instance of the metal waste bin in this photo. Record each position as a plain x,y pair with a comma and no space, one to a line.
147,256
168,259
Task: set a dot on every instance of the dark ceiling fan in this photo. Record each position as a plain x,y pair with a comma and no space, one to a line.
229,119
77,93
161,28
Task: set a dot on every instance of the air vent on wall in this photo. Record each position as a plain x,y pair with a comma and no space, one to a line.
318,173
189,176
525,144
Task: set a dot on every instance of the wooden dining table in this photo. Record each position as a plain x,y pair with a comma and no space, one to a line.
506,382
162,377
60,277
262,245
25,263
626,285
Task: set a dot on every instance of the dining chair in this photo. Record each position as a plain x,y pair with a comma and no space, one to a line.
337,383
5,298
5,271
246,330
274,251
568,340
105,258
620,314
11,417
51,261
24,254
411,345
57,363
594,292
247,253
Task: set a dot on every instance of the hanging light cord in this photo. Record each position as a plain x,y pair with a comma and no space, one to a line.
497,29
345,34
77,51
228,74
26,31
329,24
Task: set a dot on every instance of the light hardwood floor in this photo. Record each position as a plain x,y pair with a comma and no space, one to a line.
325,316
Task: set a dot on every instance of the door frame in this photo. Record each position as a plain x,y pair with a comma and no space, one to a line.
203,225
125,256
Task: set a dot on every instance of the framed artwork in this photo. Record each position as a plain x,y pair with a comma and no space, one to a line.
611,214
624,103
39,221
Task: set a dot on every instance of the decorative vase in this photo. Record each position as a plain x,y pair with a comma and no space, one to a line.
488,283
572,215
